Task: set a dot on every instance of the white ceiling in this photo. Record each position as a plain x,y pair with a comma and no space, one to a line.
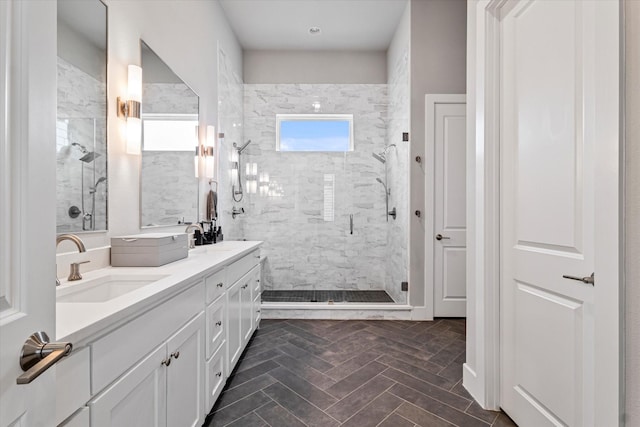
344,24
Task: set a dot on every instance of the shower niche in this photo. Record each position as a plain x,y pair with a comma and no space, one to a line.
81,125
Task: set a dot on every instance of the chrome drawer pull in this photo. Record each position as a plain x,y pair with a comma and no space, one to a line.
220,285
219,323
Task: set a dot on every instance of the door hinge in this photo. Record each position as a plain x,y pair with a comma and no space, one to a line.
404,286
405,136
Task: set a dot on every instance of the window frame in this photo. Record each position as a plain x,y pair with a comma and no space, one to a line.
314,117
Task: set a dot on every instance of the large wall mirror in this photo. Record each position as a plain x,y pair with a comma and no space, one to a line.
169,187
81,128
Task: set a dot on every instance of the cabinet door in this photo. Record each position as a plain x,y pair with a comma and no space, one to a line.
234,340
246,304
185,387
136,399
256,295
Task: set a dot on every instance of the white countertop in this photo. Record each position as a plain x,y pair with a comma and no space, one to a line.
77,322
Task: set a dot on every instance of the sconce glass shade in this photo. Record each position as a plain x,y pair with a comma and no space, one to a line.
135,83
134,136
209,152
196,162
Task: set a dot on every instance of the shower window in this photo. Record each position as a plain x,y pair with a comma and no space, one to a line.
314,132
170,132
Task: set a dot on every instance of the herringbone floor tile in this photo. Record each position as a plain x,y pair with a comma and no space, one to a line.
323,373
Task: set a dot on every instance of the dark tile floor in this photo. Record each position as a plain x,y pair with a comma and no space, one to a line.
322,373
326,296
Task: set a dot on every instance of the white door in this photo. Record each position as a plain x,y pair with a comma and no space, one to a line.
446,139
27,202
558,125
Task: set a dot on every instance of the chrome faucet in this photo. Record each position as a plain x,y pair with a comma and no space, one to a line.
74,273
192,242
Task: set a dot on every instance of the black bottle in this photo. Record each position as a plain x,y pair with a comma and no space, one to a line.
219,234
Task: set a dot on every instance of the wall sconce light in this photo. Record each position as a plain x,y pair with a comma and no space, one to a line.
130,109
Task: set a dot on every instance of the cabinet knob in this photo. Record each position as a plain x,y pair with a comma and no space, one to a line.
258,280
219,285
258,256
175,355
257,311
219,374
219,323
166,362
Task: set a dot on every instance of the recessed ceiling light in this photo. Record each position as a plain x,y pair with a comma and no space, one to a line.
314,30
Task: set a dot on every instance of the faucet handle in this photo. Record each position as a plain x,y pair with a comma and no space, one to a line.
74,272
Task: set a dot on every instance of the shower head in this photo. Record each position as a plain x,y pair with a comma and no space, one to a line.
382,156
93,189
89,157
383,184
241,149
81,147
379,157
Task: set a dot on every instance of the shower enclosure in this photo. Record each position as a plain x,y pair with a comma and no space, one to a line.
322,215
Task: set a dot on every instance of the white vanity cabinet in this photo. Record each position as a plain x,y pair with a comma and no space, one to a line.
167,365
164,389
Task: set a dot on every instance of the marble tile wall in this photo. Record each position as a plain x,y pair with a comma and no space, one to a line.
169,188
230,123
81,119
303,250
397,258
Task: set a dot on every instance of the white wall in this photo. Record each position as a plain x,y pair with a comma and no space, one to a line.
270,66
632,211
438,65
185,35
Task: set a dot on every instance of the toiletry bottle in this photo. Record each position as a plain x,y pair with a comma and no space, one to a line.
220,236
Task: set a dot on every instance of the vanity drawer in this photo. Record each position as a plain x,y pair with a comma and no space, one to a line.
215,379
215,325
215,285
113,354
241,267
72,383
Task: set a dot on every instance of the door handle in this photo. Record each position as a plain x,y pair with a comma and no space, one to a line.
38,355
441,237
590,280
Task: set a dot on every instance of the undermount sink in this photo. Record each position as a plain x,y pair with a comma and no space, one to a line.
104,288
